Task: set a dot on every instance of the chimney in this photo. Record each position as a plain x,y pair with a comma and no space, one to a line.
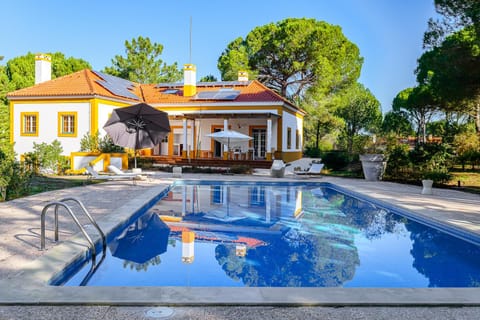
43,68
242,75
189,80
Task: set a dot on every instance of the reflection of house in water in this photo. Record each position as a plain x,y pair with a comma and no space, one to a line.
260,204
188,246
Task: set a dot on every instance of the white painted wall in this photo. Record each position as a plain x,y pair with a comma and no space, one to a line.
104,112
48,125
291,121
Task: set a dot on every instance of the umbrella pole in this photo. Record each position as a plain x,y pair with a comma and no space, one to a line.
135,150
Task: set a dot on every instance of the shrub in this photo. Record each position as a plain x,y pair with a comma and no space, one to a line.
438,176
45,157
241,169
336,160
398,163
14,178
93,143
312,152
90,143
19,184
106,145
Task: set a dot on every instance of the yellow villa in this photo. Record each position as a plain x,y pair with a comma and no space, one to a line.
72,106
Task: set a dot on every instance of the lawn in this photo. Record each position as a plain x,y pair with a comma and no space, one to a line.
468,180
44,183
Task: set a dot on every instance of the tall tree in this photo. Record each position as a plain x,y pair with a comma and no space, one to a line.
294,55
321,121
397,122
361,112
234,59
452,71
21,70
208,78
456,15
143,63
419,104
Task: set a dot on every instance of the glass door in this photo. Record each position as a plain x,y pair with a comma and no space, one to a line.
259,142
217,147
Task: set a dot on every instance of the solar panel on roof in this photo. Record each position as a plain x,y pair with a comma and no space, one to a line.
116,86
227,95
222,94
169,85
206,95
223,83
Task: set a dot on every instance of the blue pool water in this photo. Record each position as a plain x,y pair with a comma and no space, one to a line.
278,235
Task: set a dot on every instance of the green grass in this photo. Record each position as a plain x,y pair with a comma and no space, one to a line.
469,180
43,183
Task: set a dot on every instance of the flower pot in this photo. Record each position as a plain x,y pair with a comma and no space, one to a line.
427,186
373,166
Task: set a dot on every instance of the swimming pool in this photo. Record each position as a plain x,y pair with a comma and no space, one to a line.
279,235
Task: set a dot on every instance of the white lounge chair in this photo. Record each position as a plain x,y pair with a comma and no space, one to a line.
278,169
96,176
315,169
119,172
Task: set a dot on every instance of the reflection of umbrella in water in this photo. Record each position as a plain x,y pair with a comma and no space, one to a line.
227,137
143,240
137,127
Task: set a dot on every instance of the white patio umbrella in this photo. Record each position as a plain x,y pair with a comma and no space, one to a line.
227,137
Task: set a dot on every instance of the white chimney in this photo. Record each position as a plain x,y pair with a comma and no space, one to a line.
242,76
43,68
189,80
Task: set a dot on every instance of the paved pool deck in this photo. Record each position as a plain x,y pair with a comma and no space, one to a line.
24,268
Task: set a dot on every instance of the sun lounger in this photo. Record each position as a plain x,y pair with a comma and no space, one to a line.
314,169
96,176
119,172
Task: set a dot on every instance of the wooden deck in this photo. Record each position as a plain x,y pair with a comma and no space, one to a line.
209,162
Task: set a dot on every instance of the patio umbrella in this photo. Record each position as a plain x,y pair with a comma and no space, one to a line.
227,137
137,127
145,239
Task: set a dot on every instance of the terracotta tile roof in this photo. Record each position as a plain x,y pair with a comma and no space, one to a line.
79,84
251,91
84,83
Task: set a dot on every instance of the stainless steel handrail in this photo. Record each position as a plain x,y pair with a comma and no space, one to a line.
94,223
62,203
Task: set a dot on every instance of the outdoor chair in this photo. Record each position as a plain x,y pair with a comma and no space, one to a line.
94,175
315,169
119,172
278,169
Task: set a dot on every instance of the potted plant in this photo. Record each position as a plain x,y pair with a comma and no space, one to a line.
431,176
374,161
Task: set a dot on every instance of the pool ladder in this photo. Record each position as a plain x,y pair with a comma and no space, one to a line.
62,203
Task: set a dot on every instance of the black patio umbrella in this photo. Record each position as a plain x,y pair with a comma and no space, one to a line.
145,239
137,127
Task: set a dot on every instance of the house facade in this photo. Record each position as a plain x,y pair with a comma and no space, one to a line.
71,107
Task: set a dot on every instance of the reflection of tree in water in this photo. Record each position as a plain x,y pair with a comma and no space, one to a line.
292,260
142,266
446,261
155,261
373,222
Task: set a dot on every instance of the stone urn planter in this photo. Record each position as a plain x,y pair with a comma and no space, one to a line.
427,186
373,166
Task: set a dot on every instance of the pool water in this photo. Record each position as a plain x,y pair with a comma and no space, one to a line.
279,235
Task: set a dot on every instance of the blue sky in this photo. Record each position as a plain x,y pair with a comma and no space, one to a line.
389,33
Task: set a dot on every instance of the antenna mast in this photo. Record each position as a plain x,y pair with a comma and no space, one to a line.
190,53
